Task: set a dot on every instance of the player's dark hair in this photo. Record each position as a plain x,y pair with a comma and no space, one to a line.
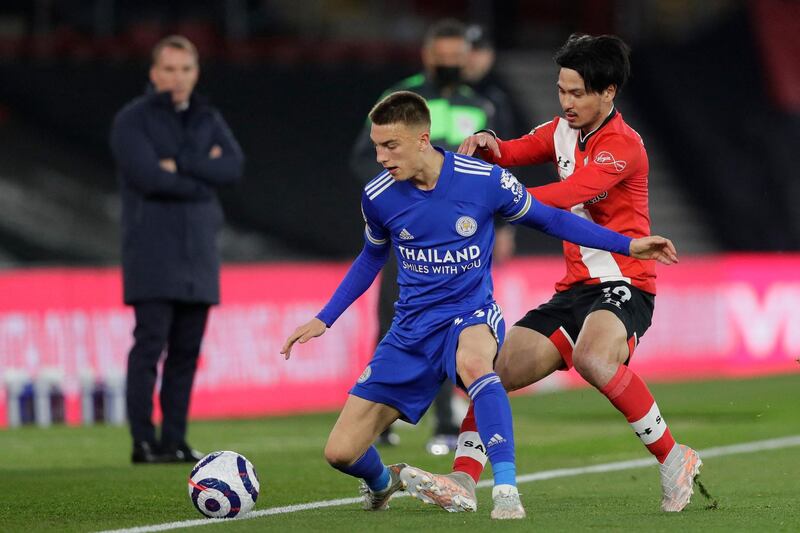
402,107
179,42
601,60
446,28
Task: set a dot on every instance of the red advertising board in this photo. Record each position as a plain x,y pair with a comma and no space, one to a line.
723,316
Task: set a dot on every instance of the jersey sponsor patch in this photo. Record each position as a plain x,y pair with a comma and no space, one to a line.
607,158
510,182
466,226
602,196
365,374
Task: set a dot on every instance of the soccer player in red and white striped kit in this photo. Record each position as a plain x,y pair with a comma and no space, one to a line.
604,304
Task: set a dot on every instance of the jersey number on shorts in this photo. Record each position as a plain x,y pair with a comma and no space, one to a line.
617,296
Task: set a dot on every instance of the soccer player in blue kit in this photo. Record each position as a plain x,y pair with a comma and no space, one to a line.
436,209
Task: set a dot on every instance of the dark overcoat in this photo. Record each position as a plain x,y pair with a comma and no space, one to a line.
171,221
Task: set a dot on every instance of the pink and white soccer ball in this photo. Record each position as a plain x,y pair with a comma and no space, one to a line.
223,484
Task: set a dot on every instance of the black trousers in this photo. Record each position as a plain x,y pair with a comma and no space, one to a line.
179,327
387,296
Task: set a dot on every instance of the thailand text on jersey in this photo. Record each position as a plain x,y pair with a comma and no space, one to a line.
442,238
604,179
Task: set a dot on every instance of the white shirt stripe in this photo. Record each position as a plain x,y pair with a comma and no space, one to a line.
383,187
457,158
599,263
470,164
476,172
376,183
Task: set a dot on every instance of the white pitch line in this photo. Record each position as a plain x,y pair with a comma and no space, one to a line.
719,451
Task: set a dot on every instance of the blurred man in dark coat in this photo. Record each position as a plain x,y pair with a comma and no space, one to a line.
172,151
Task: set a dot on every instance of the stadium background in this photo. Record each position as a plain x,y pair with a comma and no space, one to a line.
714,94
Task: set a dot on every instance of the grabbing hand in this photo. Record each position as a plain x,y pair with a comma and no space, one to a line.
313,328
215,152
480,140
654,247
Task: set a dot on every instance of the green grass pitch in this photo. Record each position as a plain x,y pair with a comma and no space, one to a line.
80,479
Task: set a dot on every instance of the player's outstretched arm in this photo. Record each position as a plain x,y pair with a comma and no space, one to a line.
654,247
313,328
480,140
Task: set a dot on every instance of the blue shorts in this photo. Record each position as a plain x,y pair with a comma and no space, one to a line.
407,376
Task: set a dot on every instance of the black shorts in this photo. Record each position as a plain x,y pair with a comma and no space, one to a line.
562,317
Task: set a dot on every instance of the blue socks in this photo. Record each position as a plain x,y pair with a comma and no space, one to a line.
371,469
493,418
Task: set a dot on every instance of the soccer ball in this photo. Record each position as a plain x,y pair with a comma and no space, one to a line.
223,485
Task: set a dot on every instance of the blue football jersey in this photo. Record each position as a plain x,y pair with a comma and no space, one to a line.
442,238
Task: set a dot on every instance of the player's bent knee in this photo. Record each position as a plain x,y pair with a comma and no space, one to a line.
595,366
471,366
583,364
508,377
339,456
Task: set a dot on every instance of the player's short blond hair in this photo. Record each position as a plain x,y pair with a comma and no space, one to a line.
401,107
179,42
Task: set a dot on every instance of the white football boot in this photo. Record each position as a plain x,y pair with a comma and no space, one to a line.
507,505
677,477
454,492
379,501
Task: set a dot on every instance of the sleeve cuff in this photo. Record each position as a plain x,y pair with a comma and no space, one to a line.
326,321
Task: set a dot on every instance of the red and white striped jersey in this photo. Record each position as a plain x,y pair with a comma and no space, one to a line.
603,179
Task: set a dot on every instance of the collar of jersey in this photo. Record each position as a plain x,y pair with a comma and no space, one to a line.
445,177
582,140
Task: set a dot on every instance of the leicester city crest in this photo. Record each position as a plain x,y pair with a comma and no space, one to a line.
466,226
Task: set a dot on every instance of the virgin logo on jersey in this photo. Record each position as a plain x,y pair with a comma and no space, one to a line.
440,261
607,158
602,196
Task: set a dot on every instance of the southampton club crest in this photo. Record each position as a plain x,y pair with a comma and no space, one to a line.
466,226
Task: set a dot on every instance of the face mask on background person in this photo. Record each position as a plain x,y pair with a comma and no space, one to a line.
447,76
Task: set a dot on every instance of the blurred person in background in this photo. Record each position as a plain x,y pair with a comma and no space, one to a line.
604,304
172,151
457,111
480,74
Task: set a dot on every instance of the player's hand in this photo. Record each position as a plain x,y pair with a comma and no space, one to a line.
313,328
215,152
480,140
168,165
654,247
